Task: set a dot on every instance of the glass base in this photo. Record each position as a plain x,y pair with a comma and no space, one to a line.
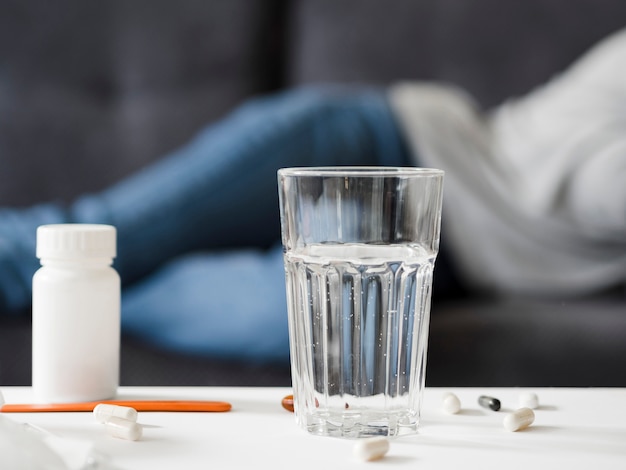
362,425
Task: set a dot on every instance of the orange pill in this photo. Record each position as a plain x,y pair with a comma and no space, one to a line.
287,403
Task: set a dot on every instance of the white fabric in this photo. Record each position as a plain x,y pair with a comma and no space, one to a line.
535,190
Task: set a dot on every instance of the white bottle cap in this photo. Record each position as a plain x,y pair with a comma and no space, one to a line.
76,241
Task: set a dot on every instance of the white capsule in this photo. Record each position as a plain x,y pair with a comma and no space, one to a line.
123,429
450,403
372,448
519,419
528,400
104,411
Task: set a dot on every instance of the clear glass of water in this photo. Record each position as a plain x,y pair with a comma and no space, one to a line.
359,246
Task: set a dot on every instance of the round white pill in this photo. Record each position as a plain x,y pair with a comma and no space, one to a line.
371,448
450,403
528,400
519,419
123,429
105,411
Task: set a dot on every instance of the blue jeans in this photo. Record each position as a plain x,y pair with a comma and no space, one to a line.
198,232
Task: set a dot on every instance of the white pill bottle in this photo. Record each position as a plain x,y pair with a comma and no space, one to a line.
76,314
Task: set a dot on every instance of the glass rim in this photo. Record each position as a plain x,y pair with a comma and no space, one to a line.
360,171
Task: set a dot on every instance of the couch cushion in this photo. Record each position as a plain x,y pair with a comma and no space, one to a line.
90,91
492,48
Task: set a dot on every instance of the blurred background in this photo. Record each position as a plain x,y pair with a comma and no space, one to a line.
92,91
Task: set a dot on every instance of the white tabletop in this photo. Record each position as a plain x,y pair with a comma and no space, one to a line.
574,429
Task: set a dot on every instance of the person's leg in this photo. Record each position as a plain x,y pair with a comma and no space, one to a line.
218,191
229,305
232,304
221,189
17,252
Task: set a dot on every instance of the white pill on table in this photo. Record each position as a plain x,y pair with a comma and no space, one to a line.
105,411
528,400
124,429
519,419
450,403
371,448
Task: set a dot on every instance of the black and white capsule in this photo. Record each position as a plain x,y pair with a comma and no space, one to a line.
489,402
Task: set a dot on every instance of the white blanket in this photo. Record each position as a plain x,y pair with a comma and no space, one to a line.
535,190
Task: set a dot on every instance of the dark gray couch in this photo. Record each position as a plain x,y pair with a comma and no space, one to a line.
91,91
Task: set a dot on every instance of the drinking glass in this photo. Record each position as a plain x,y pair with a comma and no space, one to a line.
359,248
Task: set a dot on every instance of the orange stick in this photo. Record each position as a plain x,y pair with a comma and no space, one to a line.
139,405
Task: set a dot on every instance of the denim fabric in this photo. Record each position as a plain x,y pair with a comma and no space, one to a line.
198,232
220,191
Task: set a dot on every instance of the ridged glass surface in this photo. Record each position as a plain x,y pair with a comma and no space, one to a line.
358,323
